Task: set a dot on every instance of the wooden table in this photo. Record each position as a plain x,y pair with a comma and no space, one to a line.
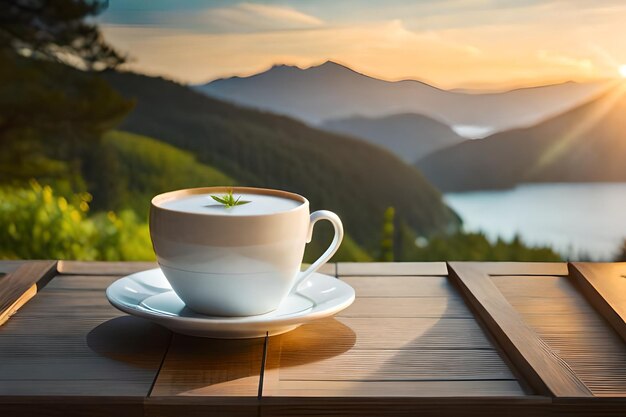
457,339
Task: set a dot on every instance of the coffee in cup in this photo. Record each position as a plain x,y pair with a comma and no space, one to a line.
235,260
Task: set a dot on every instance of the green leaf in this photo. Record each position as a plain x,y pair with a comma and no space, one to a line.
219,199
229,200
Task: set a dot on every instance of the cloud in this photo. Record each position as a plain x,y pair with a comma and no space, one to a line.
250,18
239,18
564,60
383,49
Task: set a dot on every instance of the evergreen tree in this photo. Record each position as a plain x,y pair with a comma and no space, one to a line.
56,30
386,243
52,115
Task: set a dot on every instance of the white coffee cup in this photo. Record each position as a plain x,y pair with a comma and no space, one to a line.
233,261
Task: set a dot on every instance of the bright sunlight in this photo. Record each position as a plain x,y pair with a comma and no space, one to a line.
622,71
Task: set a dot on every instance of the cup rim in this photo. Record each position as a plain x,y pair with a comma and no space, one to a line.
160,198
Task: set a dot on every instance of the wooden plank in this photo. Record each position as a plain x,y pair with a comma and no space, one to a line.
210,367
52,406
405,388
572,329
393,365
345,269
406,406
400,333
400,286
202,406
390,346
7,266
448,307
604,285
21,285
73,343
591,407
542,368
102,267
519,268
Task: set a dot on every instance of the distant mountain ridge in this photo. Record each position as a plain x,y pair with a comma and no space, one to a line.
355,179
409,136
332,91
586,144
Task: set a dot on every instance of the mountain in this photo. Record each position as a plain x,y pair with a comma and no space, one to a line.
586,144
355,179
409,136
332,91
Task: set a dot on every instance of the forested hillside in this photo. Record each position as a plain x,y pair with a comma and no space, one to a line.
147,166
355,179
586,144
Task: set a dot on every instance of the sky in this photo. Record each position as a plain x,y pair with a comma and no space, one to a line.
448,43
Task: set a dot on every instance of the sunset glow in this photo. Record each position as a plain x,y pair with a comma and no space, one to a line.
470,44
622,71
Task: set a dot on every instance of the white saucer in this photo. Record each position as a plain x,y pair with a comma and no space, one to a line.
147,294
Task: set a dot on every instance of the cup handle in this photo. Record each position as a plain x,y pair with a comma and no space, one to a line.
334,245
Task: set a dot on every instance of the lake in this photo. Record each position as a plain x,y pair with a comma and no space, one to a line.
574,219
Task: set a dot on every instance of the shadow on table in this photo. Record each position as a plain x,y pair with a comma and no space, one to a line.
129,339
201,366
312,342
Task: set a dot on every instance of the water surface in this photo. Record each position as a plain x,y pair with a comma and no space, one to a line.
574,219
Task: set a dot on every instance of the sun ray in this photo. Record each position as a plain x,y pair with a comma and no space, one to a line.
577,130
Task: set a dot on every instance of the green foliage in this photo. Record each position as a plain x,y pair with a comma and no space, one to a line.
349,251
55,100
145,167
122,237
37,224
51,119
462,246
386,243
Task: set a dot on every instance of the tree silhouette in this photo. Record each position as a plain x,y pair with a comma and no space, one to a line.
54,106
386,243
57,30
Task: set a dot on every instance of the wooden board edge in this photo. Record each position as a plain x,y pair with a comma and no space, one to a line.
599,295
201,406
520,268
545,372
407,406
23,299
26,281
